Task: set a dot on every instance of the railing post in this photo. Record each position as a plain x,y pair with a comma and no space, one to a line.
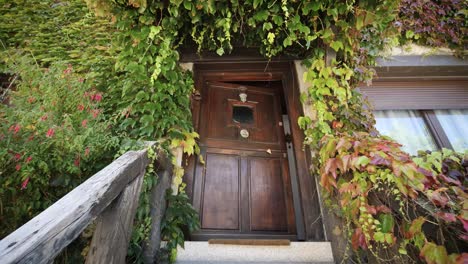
158,208
114,226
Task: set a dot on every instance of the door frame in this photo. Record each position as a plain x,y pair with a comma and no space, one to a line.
309,224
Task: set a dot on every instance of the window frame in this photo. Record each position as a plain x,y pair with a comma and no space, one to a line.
423,96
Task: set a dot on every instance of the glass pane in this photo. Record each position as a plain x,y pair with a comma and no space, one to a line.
407,127
455,125
242,114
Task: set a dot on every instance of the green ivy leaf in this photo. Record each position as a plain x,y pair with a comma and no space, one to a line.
336,45
434,254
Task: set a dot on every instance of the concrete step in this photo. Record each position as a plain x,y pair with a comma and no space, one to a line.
198,252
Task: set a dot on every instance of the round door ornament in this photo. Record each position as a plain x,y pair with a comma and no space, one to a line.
244,133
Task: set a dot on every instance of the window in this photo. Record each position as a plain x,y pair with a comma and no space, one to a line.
422,115
407,127
455,125
242,114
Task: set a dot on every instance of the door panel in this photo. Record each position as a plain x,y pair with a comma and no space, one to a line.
243,189
221,192
268,207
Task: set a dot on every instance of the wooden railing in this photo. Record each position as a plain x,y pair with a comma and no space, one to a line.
111,196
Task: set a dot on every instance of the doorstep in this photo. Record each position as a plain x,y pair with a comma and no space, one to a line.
197,252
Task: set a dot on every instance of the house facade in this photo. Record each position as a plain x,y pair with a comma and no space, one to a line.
256,181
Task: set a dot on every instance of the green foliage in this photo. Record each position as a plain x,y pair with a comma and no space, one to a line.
180,216
54,31
434,23
52,137
373,183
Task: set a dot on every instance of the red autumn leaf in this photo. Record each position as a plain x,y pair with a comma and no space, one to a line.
331,167
383,209
343,143
371,209
447,217
379,160
346,162
327,182
383,147
358,240
464,222
438,197
462,259
450,180
425,172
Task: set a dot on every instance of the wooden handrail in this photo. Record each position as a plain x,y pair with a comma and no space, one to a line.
111,194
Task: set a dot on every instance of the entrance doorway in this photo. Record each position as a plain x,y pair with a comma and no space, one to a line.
248,184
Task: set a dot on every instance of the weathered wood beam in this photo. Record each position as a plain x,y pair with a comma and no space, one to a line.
114,226
158,209
44,237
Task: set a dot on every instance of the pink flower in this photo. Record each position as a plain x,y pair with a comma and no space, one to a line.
15,128
84,123
50,132
77,161
97,97
17,156
86,153
18,167
81,107
95,113
31,100
44,117
80,80
68,69
24,184
28,159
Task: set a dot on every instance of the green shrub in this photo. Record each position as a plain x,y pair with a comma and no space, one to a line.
52,137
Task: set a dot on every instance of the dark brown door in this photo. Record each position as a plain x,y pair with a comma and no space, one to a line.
244,187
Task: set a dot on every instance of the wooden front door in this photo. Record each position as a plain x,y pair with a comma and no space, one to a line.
244,187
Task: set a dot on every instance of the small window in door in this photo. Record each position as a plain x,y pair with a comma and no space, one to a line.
242,114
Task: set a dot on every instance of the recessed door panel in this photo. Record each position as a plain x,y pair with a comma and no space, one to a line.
221,192
268,206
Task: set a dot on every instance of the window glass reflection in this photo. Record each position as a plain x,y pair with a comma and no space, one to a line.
407,127
455,125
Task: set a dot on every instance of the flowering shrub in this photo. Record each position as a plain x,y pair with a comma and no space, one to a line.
52,137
